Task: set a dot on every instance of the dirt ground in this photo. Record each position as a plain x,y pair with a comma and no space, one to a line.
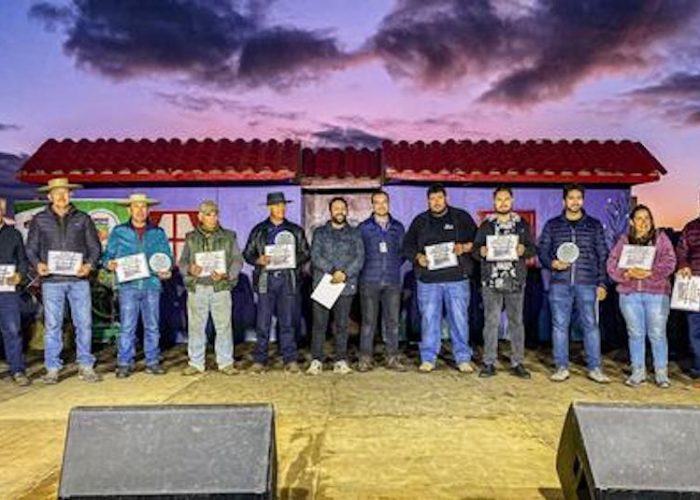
377,435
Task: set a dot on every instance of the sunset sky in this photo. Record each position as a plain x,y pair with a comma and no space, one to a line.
336,72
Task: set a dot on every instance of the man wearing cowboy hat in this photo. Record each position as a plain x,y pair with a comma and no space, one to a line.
70,235
211,261
276,279
138,240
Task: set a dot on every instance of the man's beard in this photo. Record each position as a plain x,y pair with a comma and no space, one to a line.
339,219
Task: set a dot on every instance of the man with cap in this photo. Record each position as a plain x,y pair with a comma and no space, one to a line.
276,279
142,250
211,262
63,248
13,264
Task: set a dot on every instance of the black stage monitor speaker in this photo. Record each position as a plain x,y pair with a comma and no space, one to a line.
207,451
614,451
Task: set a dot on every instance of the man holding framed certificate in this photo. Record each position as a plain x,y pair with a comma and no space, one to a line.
13,270
139,254
503,244
277,248
210,262
572,246
57,235
337,256
439,243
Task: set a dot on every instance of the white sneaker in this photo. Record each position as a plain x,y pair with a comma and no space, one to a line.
315,368
465,367
341,367
426,367
598,376
560,375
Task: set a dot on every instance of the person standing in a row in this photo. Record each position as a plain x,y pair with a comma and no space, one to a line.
503,281
380,282
645,295
337,250
63,248
211,261
439,242
14,258
572,246
277,283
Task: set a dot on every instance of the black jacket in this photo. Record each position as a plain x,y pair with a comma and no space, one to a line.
75,232
255,247
524,232
458,226
12,250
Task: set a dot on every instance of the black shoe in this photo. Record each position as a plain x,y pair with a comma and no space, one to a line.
155,370
123,371
520,371
488,371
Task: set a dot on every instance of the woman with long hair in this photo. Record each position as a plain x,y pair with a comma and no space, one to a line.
645,295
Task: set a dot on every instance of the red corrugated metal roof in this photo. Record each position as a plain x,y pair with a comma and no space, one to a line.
334,164
163,161
590,162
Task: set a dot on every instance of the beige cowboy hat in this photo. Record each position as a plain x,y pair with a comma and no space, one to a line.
58,182
138,198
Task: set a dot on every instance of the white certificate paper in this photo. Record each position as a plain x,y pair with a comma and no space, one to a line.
327,293
441,256
6,272
637,257
686,294
132,267
64,263
282,256
502,248
211,262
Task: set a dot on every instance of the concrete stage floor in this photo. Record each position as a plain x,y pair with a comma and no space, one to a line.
380,435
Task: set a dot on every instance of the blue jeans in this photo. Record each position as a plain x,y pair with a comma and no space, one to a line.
54,298
694,337
132,302
454,296
646,314
561,300
10,328
278,300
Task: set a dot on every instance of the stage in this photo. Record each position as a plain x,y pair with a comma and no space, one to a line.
375,435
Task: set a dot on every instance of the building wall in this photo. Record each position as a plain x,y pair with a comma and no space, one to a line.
242,207
602,203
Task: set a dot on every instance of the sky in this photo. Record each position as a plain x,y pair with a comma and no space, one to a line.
339,72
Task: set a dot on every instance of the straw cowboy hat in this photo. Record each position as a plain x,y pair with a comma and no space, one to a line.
57,183
138,198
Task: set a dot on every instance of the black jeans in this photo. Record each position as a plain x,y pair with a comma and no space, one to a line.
341,315
389,298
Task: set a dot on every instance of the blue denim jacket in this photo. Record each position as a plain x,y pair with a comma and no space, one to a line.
124,241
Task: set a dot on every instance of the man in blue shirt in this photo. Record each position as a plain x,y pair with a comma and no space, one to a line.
139,294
